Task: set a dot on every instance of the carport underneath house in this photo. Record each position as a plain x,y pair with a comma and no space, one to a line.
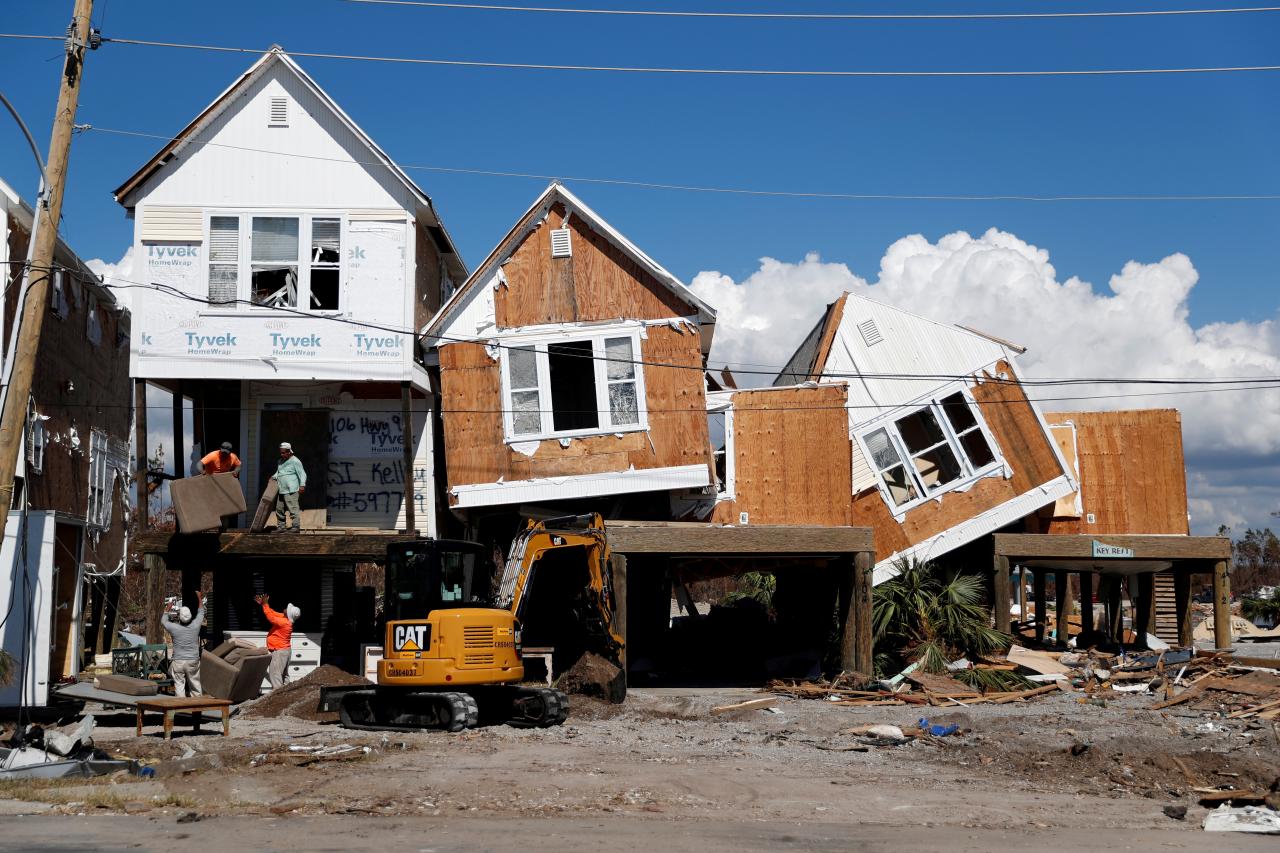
1159,566
653,559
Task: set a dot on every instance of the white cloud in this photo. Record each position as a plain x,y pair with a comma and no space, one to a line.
1137,327
122,268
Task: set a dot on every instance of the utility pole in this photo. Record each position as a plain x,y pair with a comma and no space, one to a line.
39,272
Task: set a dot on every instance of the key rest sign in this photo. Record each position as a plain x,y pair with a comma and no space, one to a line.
1114,552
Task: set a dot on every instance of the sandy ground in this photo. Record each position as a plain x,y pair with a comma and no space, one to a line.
1052,773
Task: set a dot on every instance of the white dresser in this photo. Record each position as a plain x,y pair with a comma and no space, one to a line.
304,656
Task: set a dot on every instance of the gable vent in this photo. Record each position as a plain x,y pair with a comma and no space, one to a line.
279,112
560,245
870,332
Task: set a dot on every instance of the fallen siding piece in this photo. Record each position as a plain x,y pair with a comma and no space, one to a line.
1043,663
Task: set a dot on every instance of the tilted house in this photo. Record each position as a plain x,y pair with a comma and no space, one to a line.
571,369
289,262
945,445
70,501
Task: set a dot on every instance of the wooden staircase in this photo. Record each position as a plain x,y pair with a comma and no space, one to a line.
1166,608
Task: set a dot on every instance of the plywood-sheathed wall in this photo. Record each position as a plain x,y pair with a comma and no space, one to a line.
597,283
791,457
1132,472
1013,423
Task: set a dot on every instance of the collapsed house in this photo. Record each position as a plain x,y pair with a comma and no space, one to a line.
287,260
65,542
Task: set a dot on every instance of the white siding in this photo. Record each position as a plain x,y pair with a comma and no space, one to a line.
181,224
319,173
910,345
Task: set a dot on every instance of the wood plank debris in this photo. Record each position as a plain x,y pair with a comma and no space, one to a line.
749,705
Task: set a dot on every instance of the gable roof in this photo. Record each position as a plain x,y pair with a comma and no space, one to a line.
556,192
275,56
812,364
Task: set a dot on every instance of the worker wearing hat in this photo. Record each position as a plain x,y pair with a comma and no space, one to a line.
221,461
291,480
184,666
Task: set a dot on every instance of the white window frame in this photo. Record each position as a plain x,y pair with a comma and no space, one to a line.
539,343
244,262
726,490
36,442
969,472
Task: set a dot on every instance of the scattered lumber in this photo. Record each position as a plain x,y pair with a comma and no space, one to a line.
749,705
1028,694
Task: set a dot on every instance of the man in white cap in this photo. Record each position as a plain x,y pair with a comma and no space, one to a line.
291,480
184,666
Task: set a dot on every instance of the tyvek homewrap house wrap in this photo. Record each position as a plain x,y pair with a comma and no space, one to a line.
945,445
571,367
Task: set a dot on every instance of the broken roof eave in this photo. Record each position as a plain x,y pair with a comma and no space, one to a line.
528,221
123,194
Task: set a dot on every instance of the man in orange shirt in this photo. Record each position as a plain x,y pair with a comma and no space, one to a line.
221,461
279,639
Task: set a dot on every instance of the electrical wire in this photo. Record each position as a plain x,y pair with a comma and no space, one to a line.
91,128
823,16
712,72
176,293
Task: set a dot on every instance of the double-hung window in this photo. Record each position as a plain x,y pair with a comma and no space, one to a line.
573,387
926,452
275,261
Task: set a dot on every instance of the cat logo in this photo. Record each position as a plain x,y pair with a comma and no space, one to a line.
412,637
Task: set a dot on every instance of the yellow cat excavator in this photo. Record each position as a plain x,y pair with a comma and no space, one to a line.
451,658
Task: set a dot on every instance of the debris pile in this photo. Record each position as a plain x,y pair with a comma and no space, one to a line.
300,698
594,676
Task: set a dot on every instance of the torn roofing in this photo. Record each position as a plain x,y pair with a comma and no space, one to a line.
556,192
276,55
809,361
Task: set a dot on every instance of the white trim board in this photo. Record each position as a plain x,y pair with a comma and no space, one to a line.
581,486
980,525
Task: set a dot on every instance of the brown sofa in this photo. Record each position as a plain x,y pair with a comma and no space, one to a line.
232,671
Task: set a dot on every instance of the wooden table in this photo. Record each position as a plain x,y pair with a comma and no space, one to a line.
170,705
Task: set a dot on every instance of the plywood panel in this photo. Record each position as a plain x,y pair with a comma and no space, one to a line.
598,282
1016,428
791,457
1132,472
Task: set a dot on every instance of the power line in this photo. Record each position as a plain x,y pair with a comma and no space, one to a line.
822,16
174,292
708,189
713,72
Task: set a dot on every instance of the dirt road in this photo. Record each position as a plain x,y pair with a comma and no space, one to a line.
661,771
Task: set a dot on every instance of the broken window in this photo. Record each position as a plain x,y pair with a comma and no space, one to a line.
99,507
59,299
36,440
930,450
572,373
93,321
326,255
573,387
273,261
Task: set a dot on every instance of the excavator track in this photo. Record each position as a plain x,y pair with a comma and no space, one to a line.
410,709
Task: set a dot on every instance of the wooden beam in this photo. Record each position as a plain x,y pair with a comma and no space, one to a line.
1062,608
685,539
154,567
179,547
140,446
406,426
1182,596
1086,602
618,569
1221,606
1148,547
1144,607
864,564
1000,593
1041,606
845,571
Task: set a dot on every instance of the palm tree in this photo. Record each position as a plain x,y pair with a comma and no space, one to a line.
930,617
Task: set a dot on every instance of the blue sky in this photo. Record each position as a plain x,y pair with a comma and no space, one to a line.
1186,134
